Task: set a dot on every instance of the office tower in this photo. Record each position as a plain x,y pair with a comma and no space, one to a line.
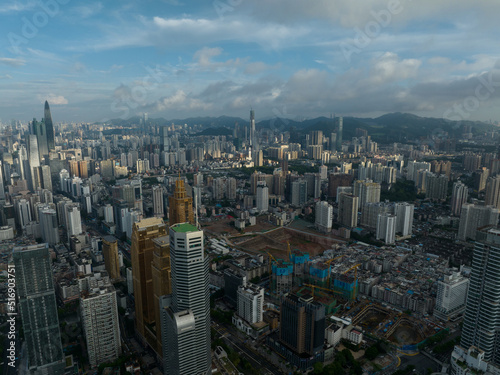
73,168
99,316
141,253
37,129
404,218
459,196
324,216
180,205
251,303
49,127
333,142
386,228
299,192
252,131
2,186
348,210
367,191
164,138
262,197
49,226
336,180
23,209
34,162
106,167
451,296
339,133
37,303
158,210
481,327
46,177
473,217
492,197
111,259
73,219
230,188
302,327
162,281
186,338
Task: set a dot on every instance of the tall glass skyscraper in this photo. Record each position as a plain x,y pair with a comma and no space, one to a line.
481,327
186,321
49,127
37,302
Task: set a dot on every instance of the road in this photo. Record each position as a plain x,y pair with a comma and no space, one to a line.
231,337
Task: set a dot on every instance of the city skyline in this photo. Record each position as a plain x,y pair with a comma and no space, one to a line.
175,59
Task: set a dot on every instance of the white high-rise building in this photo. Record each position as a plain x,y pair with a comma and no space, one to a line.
473,217
186,316
386,228
262,197
404,218
108,213
324,216
99,316
158,210
451,296
250,302
74,219
459,196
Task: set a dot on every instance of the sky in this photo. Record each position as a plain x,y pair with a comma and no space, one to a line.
98,60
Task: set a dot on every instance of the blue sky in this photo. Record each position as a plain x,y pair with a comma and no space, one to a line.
96,60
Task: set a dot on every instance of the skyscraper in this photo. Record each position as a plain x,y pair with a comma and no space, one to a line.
73,219
162,280
180,205
48,224
302,327
481,327
252,131
386,228
99,313
348,210
186,337
49,127
2,186
37,303
451,296
110,253
458,197
141,251
158,210
339,134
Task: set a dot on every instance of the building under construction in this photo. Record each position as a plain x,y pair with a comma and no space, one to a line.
299,260
347,285
318,273
281,277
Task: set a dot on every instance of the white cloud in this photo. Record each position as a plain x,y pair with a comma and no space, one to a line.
12,62
7,76
53,99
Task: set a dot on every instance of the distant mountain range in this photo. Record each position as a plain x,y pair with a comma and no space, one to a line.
392,127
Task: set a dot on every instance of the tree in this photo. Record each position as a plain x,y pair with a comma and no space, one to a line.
318,368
